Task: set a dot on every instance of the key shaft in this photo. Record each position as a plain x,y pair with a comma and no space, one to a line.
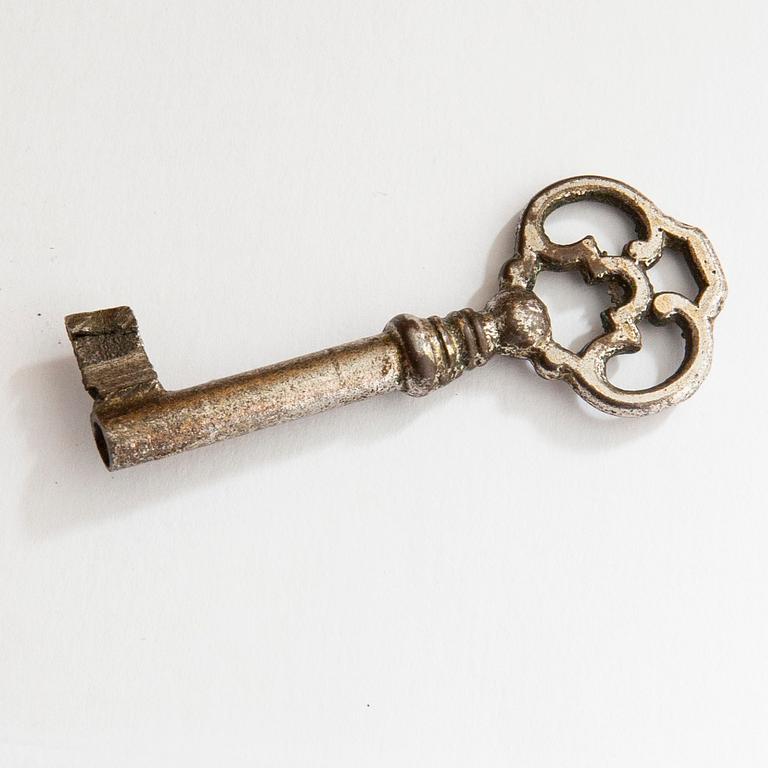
135,419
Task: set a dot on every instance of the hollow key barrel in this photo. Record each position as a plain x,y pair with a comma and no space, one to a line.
135,419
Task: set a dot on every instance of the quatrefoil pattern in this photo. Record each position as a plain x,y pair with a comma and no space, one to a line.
633,295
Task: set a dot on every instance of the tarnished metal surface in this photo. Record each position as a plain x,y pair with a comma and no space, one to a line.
135,420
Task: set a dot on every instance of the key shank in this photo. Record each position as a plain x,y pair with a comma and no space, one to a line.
135,419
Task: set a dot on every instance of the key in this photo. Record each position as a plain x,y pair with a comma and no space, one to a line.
134,419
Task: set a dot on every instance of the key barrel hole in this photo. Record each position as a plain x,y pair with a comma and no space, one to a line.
101,444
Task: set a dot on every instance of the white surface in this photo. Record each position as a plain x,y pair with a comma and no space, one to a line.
494,575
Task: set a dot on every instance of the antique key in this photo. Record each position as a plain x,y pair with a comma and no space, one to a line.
135,419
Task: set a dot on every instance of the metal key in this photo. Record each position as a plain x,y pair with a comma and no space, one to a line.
135,419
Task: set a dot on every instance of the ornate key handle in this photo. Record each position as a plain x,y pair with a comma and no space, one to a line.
633,296
135,419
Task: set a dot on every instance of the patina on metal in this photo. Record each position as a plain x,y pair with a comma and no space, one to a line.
135,419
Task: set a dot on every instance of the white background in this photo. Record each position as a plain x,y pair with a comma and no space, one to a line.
494,575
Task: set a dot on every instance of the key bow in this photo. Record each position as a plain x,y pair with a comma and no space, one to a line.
633,295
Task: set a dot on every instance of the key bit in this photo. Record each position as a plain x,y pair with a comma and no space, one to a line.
135,419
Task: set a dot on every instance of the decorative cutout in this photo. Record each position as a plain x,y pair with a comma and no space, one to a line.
660,358
610,226
673,273
574,307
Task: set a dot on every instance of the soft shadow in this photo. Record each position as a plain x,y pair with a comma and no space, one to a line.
502,248
552,407
69,487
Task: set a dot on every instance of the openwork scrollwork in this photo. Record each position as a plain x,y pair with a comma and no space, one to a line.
634,298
